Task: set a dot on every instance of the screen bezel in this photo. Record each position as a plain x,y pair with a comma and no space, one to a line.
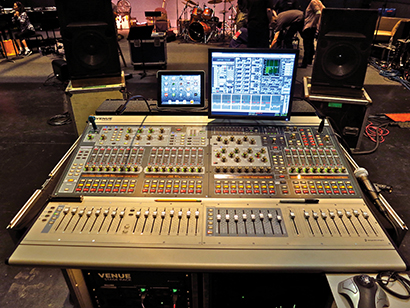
160,103
250,51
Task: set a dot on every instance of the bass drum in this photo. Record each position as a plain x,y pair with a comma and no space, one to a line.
198,31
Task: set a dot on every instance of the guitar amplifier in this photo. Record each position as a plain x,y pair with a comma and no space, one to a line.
151,52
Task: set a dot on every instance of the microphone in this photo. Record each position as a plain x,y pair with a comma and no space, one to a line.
361,174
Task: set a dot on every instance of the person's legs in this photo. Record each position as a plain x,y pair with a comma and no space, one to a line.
308,36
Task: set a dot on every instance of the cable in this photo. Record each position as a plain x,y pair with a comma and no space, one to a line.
59,120
376,133
122,108
384,278
142,300
380,131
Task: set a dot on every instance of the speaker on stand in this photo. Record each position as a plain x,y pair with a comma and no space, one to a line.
90,41
336,86
91,50
342,51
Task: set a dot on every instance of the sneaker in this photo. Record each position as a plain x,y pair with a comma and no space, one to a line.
27,53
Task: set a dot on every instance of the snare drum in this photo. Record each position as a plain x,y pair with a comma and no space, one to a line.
207,14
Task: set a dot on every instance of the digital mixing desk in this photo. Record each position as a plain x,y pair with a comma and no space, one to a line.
195,194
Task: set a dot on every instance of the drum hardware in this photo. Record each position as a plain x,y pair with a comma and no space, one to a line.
203,25
190,2
183,23
401,57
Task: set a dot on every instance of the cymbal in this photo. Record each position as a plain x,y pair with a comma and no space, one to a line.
190,2
214,1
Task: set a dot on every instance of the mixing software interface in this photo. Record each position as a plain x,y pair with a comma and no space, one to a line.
251,83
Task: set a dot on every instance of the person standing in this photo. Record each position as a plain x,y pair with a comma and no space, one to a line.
26,28
313,14
241,19
288,23
259,18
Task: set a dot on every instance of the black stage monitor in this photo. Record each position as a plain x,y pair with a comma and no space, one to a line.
251,83
181,88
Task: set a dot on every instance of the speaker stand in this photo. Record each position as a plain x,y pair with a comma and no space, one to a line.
348,113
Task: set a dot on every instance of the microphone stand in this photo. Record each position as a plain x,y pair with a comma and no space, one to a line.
398,224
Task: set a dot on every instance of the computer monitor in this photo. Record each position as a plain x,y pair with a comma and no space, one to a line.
181,88
251,83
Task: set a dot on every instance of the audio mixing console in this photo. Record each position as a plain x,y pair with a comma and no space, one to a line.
230,161
195,194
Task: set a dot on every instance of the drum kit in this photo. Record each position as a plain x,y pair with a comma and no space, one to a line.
203,25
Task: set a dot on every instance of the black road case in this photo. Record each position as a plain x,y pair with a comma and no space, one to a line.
151,52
